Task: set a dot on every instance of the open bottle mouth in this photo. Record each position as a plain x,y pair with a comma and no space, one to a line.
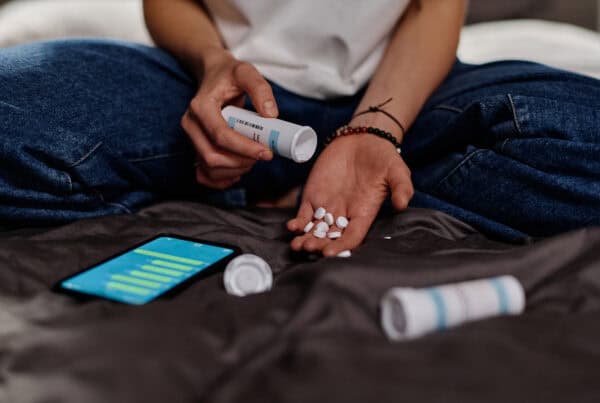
304,145
393,318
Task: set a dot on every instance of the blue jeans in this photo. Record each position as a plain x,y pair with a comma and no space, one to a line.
92,127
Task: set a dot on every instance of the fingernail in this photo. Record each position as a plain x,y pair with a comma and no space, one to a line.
265,155
270,108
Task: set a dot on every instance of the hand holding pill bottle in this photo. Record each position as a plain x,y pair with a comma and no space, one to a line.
289,140
222,155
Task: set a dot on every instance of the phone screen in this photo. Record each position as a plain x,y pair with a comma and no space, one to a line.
147,271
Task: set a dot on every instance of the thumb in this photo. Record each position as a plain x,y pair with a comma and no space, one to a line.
258,88
400,186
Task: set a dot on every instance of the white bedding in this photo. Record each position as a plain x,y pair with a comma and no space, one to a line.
555,44
35,20
561,45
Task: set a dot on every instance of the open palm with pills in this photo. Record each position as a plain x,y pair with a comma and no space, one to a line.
351,179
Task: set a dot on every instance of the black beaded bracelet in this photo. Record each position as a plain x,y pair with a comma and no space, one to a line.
347,130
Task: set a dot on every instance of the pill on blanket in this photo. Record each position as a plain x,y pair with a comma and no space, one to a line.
387,237
322,227
407,313
341,222
329,218
344,253
308,227
320,213
334,235
319,234
247,274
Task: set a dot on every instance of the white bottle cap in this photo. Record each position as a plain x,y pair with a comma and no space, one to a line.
247,274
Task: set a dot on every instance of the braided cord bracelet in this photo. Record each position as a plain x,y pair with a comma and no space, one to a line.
346,129
377,108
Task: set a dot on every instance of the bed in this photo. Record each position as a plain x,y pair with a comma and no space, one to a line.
316,336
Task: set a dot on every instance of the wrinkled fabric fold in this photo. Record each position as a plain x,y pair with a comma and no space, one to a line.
315,336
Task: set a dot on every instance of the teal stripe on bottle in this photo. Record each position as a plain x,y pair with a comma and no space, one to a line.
273,139
502,294
440,307
231,122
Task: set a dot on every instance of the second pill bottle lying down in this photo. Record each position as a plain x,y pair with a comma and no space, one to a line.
408,313
289,140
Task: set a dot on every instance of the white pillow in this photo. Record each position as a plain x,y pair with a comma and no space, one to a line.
560,45
35,20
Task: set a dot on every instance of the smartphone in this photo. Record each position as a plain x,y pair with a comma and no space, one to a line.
153,268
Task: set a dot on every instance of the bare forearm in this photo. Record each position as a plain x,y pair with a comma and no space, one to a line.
183,28
419,56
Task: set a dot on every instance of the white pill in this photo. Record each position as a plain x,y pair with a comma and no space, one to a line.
329,218
344,253
387,237
319,234
322,227
320,213
334,235
341,222
309,226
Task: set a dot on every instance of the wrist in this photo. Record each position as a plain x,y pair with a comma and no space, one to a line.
378,117
351,131
206,57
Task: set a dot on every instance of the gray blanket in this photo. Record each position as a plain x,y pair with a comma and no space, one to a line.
315,337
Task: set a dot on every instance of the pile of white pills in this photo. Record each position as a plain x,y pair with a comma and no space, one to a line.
323,227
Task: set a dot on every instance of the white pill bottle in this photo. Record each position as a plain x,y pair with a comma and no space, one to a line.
408,313
289,140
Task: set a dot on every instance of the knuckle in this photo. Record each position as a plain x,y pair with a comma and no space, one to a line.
185,123
196,105
310,245
211,160
243,68
221,137
297,243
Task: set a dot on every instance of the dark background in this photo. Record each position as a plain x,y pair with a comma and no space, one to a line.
580,12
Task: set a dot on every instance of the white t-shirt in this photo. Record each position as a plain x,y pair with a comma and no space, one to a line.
316,48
